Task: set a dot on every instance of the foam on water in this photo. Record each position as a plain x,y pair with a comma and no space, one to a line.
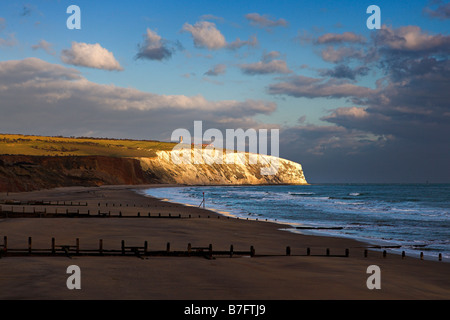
416,217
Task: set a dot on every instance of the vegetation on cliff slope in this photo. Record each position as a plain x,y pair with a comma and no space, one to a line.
62,146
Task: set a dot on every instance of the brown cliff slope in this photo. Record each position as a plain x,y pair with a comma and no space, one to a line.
26,173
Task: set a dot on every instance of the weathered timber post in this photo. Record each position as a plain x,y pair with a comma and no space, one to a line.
29,245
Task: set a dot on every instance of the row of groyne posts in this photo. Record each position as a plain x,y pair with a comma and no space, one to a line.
38,209
70,250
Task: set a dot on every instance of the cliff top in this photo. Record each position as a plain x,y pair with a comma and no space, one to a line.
17,144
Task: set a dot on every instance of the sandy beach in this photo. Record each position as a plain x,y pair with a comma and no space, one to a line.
269,275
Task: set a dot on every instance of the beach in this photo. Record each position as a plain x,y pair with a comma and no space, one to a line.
270,274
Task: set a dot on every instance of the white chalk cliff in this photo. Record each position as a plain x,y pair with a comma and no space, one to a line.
203,167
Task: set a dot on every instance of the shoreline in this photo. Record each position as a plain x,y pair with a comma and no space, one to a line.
374,244
270,275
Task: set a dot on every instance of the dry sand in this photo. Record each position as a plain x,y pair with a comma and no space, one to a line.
270,275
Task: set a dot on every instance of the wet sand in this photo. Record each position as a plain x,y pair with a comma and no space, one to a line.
269,275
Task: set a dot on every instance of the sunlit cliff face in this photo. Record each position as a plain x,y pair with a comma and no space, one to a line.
265,170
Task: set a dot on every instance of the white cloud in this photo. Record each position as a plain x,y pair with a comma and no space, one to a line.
267,65
264,67
340,38
216,70
91,56
154,47
206,35
265,21
44,45
411,38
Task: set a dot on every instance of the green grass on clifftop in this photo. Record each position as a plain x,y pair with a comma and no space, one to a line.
83,146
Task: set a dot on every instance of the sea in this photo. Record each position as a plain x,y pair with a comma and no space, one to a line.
413,218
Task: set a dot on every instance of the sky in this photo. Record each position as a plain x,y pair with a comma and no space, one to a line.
352,104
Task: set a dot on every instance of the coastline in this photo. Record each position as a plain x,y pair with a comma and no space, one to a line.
270,275
380,244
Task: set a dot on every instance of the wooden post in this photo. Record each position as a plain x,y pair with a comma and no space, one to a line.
231,251
365,253
210,250
5,244
308,251
168,247
29,245
189,248
252,251
403,254
53,245
288,251
100,246
123,246
328,251
139,214
145,247
421,256
77,245
384,253
440,256
347,252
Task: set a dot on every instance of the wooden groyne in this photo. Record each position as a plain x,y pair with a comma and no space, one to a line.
74,249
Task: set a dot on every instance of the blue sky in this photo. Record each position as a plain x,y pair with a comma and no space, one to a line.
138,69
